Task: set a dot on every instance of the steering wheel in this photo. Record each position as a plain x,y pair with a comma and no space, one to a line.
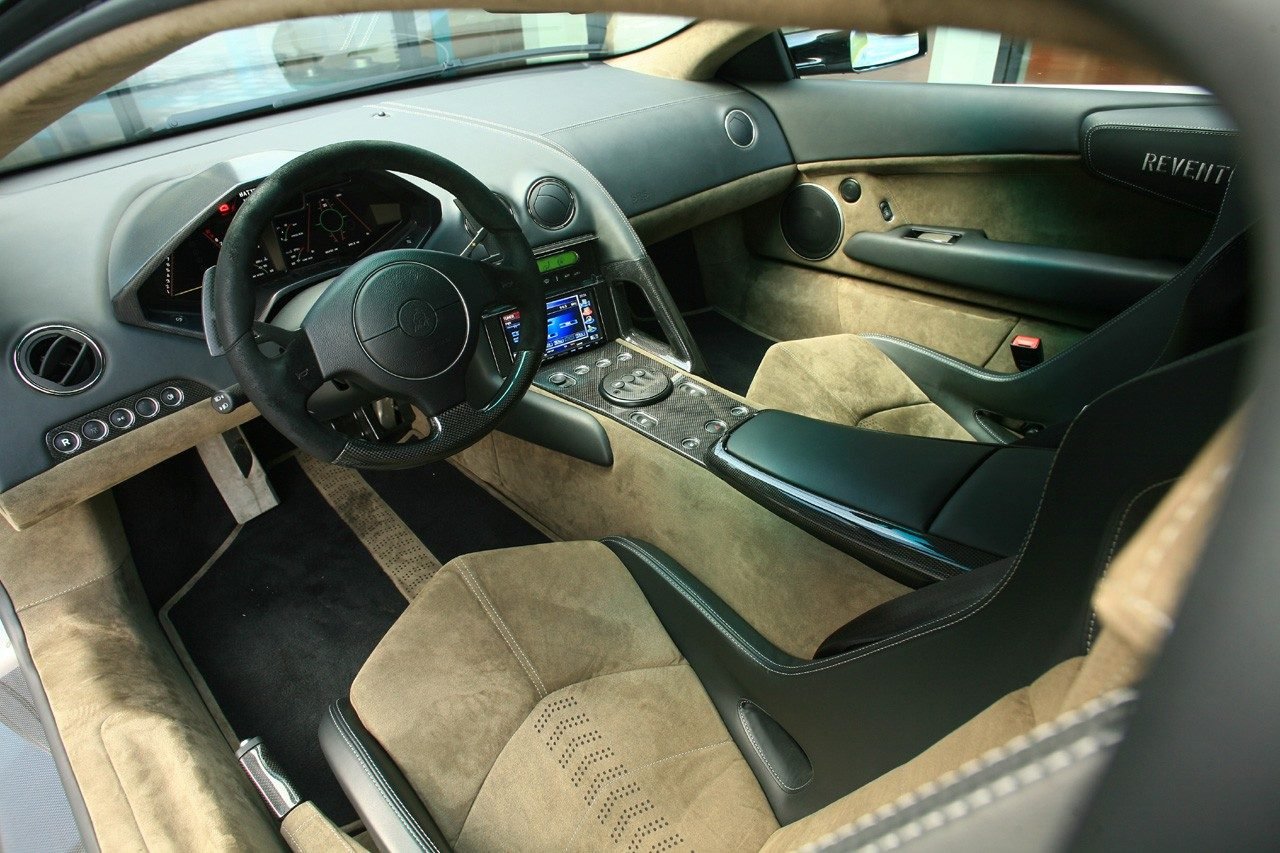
403,323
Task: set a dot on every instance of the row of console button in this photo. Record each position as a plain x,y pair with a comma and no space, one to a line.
118,418
121,418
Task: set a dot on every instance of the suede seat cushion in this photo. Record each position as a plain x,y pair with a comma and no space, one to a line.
531,698
845,379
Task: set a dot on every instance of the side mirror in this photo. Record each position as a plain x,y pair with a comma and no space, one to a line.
850,51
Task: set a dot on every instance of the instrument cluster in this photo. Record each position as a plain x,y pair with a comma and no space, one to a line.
325,230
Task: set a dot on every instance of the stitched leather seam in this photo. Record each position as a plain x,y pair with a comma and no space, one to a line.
1199,131
375,776
982,422
507,637
68,590
1111,552
638,110
1010,783
751,736
1167,537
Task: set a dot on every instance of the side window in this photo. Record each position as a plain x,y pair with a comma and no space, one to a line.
952,55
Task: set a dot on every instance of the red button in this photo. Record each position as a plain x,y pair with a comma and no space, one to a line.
1026,341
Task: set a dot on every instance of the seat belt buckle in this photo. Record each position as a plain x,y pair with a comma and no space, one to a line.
1027,351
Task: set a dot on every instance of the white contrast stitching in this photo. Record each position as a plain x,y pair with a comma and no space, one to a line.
1111,552
1199,131
1167,537
496,618
370,768
1003,786
751,736
68,590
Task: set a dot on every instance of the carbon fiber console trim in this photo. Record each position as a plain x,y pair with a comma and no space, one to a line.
908,556
689,420
155,400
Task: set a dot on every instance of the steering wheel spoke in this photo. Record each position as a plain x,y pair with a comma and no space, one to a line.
501,280
298,364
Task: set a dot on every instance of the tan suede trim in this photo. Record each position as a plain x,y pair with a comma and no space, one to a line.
999,194
485,641
786,301
637,758
1015,714
308,831
845,379
94,471
532,694
1139,596
151,764
701,208
788,585
1136,601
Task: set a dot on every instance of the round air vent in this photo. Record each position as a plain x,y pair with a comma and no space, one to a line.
741,128
58,360
811,222
551,203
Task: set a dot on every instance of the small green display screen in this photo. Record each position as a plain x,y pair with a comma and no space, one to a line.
557,261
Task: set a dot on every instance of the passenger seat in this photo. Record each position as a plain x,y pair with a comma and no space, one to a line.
895,385
1034,756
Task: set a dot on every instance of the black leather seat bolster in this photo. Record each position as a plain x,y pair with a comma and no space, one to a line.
391,811
918,608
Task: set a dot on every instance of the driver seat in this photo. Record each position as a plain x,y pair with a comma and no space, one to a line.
530,699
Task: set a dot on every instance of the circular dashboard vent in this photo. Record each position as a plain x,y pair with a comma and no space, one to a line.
811,222
741,128
58,360
551,203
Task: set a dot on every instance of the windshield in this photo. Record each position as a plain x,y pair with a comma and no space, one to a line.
278,65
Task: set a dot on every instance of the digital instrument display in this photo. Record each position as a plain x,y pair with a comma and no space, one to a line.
322,229
573,324
558,261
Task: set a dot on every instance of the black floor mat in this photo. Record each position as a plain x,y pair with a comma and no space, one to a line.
280,625
174,519
449,512
733,352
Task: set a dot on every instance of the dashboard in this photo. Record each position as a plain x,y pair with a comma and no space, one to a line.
324,230
115,244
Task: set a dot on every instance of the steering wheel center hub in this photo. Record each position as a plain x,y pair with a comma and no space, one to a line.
418,318
411,319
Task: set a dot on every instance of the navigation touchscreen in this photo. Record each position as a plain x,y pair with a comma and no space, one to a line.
573,324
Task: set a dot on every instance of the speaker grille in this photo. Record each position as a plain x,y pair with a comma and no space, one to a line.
811,222
740,128
58,360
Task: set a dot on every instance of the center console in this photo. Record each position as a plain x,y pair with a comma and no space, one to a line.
917,509
588,361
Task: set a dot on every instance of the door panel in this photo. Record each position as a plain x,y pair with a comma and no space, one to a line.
838,119
1000,162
